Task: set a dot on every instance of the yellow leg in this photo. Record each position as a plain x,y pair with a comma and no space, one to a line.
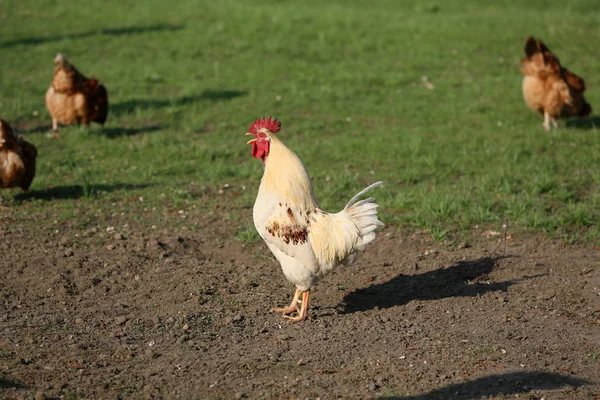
293,307
303,313
546,123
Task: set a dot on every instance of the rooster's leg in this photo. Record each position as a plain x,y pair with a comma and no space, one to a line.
303,313
546,123
554,123
293,307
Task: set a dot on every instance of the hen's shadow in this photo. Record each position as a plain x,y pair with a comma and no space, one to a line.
26,127
73,191
30,127
118,131
127,30
459,280
129,106
583,123
511,383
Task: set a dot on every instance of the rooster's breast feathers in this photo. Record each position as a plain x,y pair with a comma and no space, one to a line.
315,238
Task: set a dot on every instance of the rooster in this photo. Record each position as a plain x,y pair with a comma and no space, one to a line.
73,98
307,241
17,159
549,88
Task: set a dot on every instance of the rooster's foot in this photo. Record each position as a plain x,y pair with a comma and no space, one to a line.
298,318
303,313
292,307
285,310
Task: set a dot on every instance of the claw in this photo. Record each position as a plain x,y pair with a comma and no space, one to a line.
302,313
285,310
297,318
292,307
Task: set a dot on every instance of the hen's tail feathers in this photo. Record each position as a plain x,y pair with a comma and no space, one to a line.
574,81
364,216
101,100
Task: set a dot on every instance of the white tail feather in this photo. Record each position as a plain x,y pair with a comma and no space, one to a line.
365,190
364,216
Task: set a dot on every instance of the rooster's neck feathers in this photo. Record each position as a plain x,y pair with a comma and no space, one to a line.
285,174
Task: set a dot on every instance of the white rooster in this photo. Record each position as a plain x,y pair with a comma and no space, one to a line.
307,241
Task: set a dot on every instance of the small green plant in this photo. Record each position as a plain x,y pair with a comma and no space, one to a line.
439,234
88,190
247,235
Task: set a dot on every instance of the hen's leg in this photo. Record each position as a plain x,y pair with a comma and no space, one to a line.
546,123
54,133
554,122
293,307
303,313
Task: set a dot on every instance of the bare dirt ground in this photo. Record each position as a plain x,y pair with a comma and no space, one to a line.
126,313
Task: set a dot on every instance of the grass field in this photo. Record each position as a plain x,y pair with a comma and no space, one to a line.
425,96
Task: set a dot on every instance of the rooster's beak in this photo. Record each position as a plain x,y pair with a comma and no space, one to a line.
251,140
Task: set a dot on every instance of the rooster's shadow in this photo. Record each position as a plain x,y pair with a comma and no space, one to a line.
511,383
464,279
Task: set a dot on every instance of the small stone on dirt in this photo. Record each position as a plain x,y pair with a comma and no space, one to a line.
120,320
186,327
372,385
181,339
39,395
78,321
118,236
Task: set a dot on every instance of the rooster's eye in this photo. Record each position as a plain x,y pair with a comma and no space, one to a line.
261,135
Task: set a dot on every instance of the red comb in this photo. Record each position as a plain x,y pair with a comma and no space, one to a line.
271,124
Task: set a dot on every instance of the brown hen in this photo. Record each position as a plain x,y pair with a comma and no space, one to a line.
73,98
549,88
17,159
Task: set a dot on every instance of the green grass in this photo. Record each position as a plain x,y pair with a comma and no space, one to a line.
347,78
